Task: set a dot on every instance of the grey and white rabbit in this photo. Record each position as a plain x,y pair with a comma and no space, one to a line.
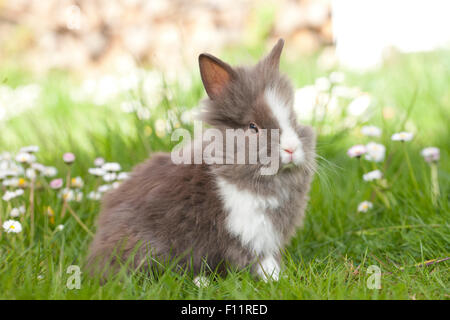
227,215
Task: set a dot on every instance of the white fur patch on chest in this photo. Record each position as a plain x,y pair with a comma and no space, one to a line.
247,218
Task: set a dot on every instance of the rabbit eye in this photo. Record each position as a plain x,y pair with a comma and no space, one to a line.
253,127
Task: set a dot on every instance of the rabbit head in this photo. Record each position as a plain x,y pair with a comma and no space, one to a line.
257,99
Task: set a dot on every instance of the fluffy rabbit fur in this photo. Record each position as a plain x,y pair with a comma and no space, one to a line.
222,215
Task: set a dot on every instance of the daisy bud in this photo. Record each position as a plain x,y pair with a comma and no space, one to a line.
68,157
373,175
402,136
356,151
431,154
15,212
56,183
98,162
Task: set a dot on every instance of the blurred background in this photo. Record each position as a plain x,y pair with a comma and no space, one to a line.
60,58
86,36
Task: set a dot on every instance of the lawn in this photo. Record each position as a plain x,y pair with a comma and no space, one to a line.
329,258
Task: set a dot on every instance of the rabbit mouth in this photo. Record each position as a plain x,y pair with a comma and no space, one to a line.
292,156
289,166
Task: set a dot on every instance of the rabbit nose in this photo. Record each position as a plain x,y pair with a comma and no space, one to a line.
289,150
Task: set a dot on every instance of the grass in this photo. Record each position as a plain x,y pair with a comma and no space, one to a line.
327,259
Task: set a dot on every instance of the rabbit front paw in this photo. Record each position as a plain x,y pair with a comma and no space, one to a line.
268,269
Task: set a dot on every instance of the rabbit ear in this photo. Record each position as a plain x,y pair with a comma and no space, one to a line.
215,73
273,58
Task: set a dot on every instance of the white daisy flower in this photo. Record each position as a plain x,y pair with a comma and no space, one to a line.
60,227
110,176
16,212
359,105
30,173
371,131
94,195
346,92
111,166
130,106
356,151
431,154
143,113
8,195
97,172
365,206
22,183
30,149
16,170
160,127
67,194
25,157
402,136
5,156
187,116
123,176
11,169
78,196
116,184
13,182
12,226
38,166
375,152
373,175
322,84
76,182
4,164
336,77
104,187
201,281
50,171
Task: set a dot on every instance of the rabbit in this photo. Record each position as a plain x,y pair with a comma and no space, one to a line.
216,216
